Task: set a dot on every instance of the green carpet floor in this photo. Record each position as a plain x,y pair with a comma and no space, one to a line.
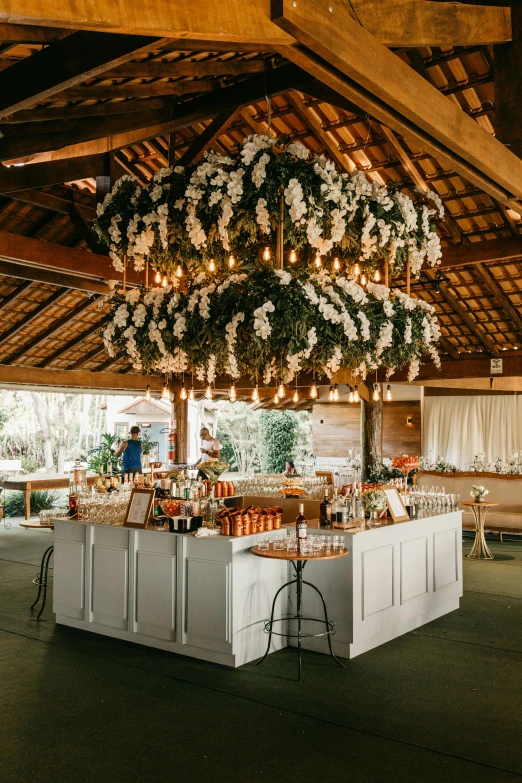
443,703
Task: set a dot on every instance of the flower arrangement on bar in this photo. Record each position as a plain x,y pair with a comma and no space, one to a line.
374,502
478,493
406,464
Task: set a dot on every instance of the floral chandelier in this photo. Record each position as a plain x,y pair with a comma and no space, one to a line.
210,234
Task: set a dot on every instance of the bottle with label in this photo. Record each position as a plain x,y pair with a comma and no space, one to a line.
325,511
300,525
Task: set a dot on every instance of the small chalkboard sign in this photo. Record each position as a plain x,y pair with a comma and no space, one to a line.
139,508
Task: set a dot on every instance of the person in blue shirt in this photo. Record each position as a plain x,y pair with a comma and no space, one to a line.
131,450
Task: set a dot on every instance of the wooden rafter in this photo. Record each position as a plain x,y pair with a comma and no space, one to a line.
52,173
174,69
310,119
134,90
73,343
41,274
30,316
212,132
463,313
53,203
49,114
338,51
82,55
482,252
55,326
410,23
27,34
502,300
15,294
449,348
83,379
86,232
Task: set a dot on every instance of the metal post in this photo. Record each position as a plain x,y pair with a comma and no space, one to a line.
280,231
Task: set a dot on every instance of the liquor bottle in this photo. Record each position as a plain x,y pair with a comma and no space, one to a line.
300,524
325,511
73,505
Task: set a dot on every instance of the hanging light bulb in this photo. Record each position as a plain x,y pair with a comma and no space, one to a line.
330,394
165,394
183,392
266,254
356,393
295,398
147,393
164,282
336,264
232,392
192,395
179,271
276,398
335,393
376,394
281,390
357,270
377,276
255,394
292,257
389,397
212,265
318,261
208,392
313,391
157,277
350,395
231,262
364,279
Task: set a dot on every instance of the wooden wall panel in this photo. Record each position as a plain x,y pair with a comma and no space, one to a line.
336,428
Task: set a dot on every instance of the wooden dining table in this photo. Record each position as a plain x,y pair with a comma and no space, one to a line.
30,484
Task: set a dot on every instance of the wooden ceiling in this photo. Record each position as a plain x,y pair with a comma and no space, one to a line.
79,108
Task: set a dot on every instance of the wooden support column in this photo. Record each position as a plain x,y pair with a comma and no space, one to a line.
181,418
371,435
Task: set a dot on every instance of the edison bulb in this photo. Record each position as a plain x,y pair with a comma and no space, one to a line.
336,264
318,261
281,391
292,257
357,270
330,394
350,395
164,282
313,392
192,395
157,278
212,265
388,394
255,394
377,276
179,271
276,398
356,394
165,394
266,254
208,393
231,262
295,398
183,392
375,395
335,393
364,279
232,392
147,393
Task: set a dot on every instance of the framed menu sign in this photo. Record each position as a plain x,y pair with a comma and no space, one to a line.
139,508
396,507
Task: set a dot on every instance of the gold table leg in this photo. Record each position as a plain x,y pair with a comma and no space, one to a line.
480,550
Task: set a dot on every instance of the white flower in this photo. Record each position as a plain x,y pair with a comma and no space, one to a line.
139,315
413,370
259,170
262,326
295,200
365,325
408,332
262,215
121,315
298,149
133,295
284,277
334,362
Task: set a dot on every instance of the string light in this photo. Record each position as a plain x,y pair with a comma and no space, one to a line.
376,395
276,398
318,261
192,395
164,282
183,392
313,391
165,394
356,393
208,392
377,276
388,393
179,271
336,264
157,277
350,395
364,279
295,398
266,254
335,393
255,394
212,265
281,390
357,270
147,393
330,394
292,257
231,262
232,392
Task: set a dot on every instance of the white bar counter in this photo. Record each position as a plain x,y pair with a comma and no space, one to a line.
209,597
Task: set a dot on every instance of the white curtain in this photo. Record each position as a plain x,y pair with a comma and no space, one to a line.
458,428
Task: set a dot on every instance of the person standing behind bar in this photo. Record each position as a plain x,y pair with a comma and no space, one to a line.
210,449
131,450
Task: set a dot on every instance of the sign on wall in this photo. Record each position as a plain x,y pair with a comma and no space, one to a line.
496,367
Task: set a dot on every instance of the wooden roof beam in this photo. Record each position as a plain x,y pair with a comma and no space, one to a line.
49,114
29,375
82,55
463,313
43,275
27,34
14,178
211,133
502,300
339,52
449,348
173,69
482,252
405,24
53,203
30,316
310,119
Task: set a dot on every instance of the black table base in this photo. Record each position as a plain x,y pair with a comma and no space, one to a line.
42,579
328,624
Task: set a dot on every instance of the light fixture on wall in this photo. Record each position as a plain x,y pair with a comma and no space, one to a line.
356,397
409,421
389,397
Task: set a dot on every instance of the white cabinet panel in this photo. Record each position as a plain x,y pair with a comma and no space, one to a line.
69,578
109,587
377,580
156,594
445,553
207,619
414,568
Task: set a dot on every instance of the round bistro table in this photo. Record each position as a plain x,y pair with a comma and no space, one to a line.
42,578
480,549
299,562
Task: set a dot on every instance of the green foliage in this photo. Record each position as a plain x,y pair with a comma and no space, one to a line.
227,450
381,473
277,439
41,500
100,456
146,444
237,432
30,464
